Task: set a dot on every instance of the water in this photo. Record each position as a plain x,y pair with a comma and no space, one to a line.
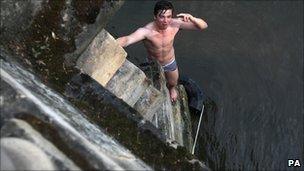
250,62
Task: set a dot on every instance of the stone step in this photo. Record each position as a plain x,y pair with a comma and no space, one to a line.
149,102
128,83
182,120
105,61
102,58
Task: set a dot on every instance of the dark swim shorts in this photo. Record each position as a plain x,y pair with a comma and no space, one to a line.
171,66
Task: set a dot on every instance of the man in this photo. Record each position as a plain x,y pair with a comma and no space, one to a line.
158,37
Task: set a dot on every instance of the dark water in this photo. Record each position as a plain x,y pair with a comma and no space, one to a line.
250,62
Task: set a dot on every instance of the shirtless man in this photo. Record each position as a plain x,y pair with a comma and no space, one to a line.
158,37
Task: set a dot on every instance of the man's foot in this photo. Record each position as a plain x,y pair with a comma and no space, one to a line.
173,94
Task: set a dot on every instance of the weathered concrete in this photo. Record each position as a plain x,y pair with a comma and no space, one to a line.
16,11
149,101
24,155
102,58
128,83
163,115
172,118
105,61
94,16
21,129
25,97
67,127
129,127
6,161
182,120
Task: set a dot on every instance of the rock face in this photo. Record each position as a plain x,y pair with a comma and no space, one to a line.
111,117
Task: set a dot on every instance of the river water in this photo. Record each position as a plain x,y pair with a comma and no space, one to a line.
249,61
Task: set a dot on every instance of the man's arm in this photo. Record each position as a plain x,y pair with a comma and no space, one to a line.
136,36
189,22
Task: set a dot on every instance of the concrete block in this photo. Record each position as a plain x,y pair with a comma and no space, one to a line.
128,83
149,102
23,155
102,58
21,129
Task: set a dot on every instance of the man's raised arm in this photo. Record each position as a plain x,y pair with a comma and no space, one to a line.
187,21
136,36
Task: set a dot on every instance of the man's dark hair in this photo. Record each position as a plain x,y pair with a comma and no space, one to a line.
163,6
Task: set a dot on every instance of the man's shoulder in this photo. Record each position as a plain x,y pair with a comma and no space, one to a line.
143,30
148,29
149,26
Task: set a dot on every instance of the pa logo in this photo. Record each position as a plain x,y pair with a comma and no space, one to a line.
294,163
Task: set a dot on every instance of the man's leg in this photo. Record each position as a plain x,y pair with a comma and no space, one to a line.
172,78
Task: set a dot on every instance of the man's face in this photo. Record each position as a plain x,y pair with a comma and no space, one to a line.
163,18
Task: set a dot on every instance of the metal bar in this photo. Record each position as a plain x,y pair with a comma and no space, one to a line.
199,124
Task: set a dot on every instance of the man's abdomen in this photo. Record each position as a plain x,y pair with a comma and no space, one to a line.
163,57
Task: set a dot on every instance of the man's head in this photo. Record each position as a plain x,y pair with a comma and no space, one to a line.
163,12
161,7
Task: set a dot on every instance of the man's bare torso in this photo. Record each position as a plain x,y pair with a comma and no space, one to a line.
158,37
159,44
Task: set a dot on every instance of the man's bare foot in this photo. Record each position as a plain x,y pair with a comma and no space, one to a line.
173,94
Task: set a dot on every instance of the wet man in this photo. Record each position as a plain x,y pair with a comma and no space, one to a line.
158,37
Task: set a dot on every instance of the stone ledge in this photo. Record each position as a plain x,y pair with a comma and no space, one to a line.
21,129
128,83
20,154
102,58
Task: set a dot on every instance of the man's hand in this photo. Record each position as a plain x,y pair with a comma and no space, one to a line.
186,17
190,22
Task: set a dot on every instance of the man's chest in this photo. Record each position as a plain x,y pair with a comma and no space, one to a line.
162,39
